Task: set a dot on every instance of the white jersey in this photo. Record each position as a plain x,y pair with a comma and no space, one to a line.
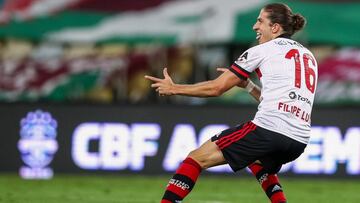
288,75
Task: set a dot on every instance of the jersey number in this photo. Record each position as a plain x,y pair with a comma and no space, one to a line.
309,72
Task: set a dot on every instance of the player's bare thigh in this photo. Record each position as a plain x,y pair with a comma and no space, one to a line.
208,155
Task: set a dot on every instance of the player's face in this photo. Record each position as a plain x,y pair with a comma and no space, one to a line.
263,28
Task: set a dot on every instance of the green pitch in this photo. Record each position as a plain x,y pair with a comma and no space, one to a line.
149,189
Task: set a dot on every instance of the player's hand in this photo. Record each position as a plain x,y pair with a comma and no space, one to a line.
163,86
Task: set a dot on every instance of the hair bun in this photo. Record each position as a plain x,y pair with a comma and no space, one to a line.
298,22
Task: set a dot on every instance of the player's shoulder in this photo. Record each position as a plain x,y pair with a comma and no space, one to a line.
272,45
259,49
286,43
280,45
277,45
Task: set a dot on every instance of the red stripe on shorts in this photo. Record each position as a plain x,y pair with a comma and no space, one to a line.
223,139
238,136
229,139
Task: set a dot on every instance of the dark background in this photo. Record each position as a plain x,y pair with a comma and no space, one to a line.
70,116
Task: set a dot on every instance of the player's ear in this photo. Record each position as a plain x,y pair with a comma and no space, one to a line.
275,28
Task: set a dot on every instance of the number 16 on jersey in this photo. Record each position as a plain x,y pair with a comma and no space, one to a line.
310,75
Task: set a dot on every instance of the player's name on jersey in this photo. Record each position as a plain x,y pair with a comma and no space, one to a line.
293,109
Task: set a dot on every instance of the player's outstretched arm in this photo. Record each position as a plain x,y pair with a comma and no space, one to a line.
209,88
252,88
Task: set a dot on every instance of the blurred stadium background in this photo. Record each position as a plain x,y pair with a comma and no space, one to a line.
75,108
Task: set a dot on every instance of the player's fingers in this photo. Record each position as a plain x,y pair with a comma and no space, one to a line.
159,90
152,78
166,74
155,85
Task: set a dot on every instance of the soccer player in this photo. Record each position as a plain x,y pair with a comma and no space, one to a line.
280,129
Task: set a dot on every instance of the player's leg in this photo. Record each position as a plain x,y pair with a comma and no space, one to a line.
184,179
247,143
269,182
265,171
238,146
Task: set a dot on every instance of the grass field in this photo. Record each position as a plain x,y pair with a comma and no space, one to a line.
149,189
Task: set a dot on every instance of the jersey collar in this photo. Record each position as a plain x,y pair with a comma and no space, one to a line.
284,35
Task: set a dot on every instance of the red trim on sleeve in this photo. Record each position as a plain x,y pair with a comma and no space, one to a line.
258,72
238,70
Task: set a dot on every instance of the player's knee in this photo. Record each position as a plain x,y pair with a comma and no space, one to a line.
205,161
195,156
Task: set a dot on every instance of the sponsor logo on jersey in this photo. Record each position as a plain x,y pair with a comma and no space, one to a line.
243,57
293,95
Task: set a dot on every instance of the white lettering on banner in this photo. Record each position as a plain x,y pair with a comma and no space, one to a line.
184,140
114,142
342,150
353,150
120,146
310,160
327,148
143,143
80,146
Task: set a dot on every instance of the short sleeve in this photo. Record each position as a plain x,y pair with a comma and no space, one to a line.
247,63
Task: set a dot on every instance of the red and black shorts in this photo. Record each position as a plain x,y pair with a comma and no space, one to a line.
244,144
